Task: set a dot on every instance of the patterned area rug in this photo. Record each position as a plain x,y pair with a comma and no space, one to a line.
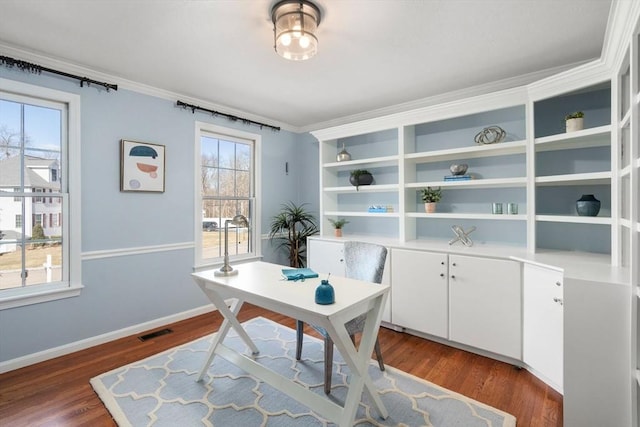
161,390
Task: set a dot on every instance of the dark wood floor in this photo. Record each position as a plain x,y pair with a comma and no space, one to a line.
57,392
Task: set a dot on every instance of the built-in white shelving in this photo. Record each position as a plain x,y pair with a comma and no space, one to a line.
575,219
594,137
363,214
472,183
503,217
369,162
476,151
593,178
363,189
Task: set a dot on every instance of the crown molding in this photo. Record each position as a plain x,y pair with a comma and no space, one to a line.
438,111
624,17
61,65
487,88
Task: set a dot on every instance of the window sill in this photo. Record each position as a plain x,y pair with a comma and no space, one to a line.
218,263
36,294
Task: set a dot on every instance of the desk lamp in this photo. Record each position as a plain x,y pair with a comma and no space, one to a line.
226,269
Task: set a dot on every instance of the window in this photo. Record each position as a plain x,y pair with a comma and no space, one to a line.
39,134
226,184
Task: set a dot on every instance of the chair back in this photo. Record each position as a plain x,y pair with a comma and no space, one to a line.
364,261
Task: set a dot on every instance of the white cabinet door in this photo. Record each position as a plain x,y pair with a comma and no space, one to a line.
419,292
543,323
485,304
326,257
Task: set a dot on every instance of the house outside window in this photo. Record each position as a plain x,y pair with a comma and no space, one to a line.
226,184
39,141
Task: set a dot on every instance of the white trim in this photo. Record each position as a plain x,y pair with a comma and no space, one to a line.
233,135
71,211
47,61
38,293
62,350
140,250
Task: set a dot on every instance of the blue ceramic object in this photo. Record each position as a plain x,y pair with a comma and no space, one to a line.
587,205
325,294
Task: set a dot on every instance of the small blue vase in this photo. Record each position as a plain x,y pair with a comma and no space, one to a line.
587,205
325,294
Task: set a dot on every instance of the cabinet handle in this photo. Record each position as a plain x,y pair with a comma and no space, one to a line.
558,284
453,276
441,274
559,301
453,264
341,260
442,263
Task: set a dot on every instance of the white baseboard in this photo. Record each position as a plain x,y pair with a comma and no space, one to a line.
62,350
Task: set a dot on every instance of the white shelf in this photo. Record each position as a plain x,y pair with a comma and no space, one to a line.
575,219
370,162
367,214
477,151
467,216
363,189
473,183
594,137
592,178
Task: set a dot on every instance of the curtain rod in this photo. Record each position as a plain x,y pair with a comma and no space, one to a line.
233,118
37,69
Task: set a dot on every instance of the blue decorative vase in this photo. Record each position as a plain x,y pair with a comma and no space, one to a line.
587,205
325,294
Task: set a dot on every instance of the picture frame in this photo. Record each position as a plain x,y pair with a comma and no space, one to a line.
142,167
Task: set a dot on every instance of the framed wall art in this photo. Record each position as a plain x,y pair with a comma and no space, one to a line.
141,166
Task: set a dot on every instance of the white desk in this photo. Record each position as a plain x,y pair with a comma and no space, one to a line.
260,283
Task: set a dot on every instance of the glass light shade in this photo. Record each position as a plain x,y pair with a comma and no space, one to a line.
294,25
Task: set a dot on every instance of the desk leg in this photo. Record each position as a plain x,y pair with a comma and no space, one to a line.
230,320
358,362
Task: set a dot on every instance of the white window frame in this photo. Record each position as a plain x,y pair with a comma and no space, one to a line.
71,284
206,129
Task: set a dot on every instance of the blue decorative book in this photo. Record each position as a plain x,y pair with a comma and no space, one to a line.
298,273
457,177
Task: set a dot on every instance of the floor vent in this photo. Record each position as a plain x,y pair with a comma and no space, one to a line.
155,334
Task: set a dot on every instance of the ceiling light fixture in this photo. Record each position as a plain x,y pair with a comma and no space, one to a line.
294,25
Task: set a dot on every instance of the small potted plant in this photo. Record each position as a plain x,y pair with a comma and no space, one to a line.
360,177
337,225
574,121
430,197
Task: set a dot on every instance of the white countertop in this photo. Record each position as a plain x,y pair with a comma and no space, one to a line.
574,265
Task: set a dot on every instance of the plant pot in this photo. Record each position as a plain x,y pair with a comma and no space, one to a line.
362,179
338,232
587,205
575,124
430,207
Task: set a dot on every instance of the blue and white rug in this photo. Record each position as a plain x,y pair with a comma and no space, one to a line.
161,390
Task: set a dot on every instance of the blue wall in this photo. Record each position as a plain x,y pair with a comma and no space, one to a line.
123,291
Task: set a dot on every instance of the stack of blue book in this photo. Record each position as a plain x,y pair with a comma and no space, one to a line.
465,177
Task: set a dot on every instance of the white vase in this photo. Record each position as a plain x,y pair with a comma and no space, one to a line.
575,124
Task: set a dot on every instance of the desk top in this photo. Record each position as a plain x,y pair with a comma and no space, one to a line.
261,283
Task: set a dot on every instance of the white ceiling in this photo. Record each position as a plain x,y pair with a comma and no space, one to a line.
373,54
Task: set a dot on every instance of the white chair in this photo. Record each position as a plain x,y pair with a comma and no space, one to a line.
363,261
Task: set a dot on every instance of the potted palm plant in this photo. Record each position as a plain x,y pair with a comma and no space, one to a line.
430,197
574,121
290,228
337,225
